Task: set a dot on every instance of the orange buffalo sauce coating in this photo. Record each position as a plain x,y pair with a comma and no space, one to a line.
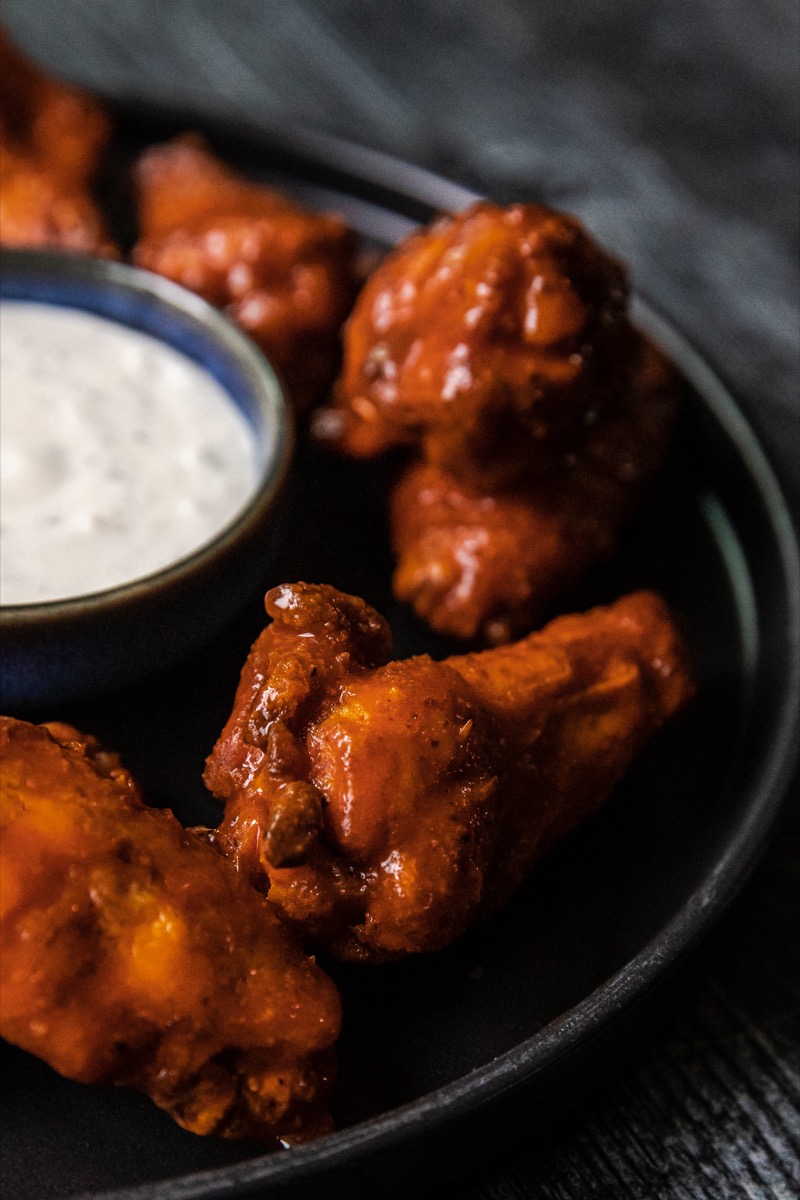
487,564
39,209
486,335
131,952
389,805
496,345
51,138
285,274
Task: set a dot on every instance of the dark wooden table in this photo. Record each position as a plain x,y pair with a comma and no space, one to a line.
671,127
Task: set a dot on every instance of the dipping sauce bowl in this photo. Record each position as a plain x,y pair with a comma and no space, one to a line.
104,635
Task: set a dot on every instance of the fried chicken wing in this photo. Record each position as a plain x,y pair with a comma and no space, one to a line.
285,274
483,337
51,139
38,207
496,344
388,805
486,565
132,952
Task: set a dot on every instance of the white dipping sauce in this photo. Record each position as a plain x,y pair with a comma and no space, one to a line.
118,455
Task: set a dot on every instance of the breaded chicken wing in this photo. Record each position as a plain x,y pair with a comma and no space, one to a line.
132,952
496,344
38,207
285,274
389,805
484,338
51,139
487,565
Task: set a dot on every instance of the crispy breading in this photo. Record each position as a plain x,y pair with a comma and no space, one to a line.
496,345
133,953
284,273
52,136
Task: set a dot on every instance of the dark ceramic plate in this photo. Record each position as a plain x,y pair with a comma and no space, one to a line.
443,1053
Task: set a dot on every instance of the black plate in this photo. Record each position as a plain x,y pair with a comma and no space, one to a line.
440,1052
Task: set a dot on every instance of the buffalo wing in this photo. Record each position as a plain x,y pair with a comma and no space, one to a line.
486,564
496,345
388,805
132,952
51,139
285,274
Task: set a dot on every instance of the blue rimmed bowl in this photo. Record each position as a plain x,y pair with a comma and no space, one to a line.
63,650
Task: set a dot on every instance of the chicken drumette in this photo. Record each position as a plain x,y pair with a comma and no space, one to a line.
51,139
133,953
497,344
388,805
285,274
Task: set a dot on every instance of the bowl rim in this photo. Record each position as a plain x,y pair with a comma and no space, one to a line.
107,277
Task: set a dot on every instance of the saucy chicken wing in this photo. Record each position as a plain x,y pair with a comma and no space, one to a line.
51,139
132,953
496,344
285,274
488,564
38,207
388,805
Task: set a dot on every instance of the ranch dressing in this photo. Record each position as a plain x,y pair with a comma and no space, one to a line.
118,455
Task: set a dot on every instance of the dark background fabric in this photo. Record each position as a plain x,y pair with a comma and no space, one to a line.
672,128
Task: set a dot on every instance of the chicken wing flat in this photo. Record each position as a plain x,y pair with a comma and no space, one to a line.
38,207
285,274
488,565
489,334
496,344
51,139
389,805
132,952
